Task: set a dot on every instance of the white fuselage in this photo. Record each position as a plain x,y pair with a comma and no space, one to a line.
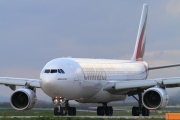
83,79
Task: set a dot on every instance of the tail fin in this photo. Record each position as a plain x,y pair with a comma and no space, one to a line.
141,36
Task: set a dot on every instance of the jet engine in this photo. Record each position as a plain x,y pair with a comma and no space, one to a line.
23,99
155,98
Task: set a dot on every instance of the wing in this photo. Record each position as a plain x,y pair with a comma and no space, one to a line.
130,87
12,82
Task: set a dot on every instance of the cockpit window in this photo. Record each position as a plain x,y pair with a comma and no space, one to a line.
47,71
61,71
53,70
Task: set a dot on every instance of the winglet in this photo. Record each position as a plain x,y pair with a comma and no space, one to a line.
141,36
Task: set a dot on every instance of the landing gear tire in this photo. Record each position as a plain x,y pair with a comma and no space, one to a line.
135,111
56,111
100,111
72,111
66,110
107,110
145,112
62,111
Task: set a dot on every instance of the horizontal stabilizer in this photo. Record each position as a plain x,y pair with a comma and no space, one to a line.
163,66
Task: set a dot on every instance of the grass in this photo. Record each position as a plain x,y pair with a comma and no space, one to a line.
47,114
35,112
74,118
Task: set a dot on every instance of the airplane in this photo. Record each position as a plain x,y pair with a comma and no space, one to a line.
96,81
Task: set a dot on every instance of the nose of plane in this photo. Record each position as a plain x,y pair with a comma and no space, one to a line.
54,87
48,83
45,79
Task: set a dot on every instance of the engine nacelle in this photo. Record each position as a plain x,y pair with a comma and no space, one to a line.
155,98
23,99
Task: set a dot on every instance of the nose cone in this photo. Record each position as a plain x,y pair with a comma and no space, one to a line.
48,83
54,87
45,81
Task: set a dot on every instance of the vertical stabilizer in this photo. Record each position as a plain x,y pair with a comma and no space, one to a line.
141,36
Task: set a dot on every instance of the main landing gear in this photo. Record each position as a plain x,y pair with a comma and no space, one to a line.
61,110
104,110
136,111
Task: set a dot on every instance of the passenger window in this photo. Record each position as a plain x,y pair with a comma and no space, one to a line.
53,70
47,71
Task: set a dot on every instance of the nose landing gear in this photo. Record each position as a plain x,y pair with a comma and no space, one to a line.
63,107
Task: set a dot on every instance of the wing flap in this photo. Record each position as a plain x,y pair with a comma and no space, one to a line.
19,81
170,82
135,84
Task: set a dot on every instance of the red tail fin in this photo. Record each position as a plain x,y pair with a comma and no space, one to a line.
141,36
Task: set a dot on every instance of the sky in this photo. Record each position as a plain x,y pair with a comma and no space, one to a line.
34,32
